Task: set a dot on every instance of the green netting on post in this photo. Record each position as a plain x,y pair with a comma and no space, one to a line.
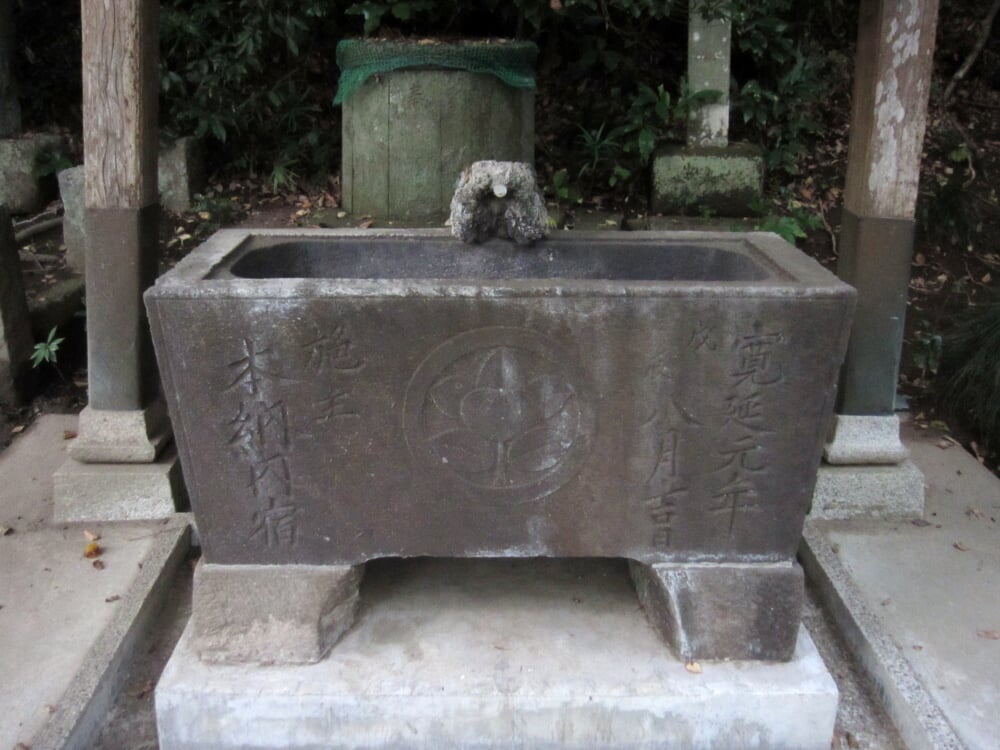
512,62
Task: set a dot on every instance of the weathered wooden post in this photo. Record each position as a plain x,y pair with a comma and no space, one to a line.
891,90
115,472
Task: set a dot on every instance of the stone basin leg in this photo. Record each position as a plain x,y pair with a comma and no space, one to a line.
723,610
272,614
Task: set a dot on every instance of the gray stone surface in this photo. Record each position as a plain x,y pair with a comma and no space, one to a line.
19,187
498,654
865,439
71,192
408,134
61,618
16,343
929,588
119,492
895,491
723,611
498,199
920,721
726,181
596,425
126,436
271,614
708,70
181,174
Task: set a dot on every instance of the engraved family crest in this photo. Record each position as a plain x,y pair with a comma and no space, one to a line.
499,409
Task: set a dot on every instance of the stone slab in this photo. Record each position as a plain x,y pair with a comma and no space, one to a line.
916,715
724,611
272,614
708,70
119,492
181,174
77,718
497,654
126,436
71,186
725,181
19,184
895,491
865,439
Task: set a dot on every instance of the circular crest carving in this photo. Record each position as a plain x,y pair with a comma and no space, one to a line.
502,410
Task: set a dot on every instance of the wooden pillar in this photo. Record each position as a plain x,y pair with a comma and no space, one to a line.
891,89
120,87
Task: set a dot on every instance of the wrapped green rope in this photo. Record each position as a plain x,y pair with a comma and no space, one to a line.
512,62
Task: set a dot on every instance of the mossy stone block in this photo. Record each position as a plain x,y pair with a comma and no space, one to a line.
725,181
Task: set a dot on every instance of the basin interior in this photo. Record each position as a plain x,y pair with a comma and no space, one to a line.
392,258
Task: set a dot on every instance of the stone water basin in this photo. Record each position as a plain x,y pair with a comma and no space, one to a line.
340,395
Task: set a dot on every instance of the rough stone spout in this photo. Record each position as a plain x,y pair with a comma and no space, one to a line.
498,199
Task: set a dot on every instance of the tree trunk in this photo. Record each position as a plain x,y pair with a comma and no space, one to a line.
10,109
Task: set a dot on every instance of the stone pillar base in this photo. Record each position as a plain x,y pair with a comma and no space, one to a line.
115,437
865,439
723,610
726,181
119,491
271,614
869,492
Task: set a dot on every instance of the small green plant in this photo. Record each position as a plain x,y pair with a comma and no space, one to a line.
48,350
793,226
51,162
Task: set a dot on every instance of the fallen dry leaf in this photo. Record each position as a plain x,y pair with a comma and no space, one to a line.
693,667
90,536
112,598
98,564
69,434
17,429
917,647
6,531
920,522
975,513
990,635
93,550
960,547
366,222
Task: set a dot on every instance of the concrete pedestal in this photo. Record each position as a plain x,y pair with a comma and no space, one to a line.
895,491
497,653
119,492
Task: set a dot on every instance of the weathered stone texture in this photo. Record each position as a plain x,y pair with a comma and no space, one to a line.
271,614
723,611
20,190
498,199
71,190
718,181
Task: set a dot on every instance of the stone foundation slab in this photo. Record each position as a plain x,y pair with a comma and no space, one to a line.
479,654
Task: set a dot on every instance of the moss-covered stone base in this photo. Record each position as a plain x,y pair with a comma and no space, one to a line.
723,181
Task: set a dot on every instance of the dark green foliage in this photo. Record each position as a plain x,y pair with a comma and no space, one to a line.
254,76
787,55
969,377
46,62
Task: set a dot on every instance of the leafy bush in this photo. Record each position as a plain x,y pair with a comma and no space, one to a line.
253,75
969,375
785,54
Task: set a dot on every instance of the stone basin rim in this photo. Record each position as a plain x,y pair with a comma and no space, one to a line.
791,273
